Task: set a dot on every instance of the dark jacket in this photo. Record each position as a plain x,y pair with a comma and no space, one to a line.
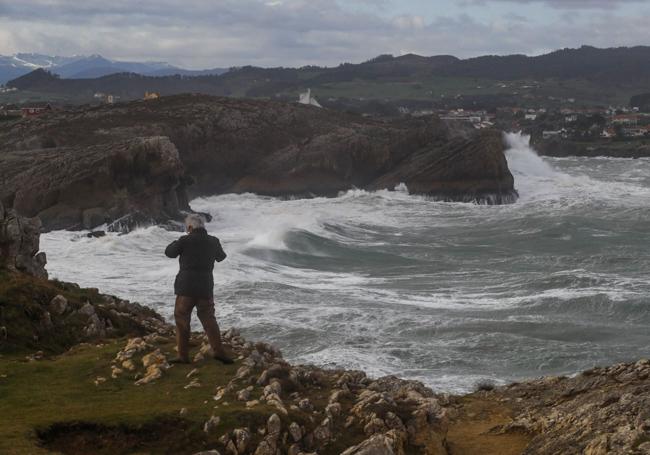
198,251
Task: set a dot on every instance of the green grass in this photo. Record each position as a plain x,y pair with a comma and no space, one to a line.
37,394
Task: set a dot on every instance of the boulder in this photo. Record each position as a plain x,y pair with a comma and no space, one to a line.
211,424
380,444
58,305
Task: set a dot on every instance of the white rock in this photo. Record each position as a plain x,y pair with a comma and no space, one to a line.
211,424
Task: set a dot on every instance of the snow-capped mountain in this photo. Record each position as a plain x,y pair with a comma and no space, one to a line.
81,66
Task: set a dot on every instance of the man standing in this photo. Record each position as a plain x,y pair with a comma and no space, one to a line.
197,251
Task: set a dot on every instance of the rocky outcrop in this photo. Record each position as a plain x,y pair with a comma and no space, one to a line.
19,244
462,168
310,410
81,187
53,316
598,412
104,169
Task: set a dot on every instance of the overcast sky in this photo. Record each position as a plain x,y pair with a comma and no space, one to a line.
223,33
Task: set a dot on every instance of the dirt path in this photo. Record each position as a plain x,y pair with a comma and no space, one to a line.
468,434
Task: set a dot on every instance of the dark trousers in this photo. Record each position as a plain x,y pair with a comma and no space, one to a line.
205,312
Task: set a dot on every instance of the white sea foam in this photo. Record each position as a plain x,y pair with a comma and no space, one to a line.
446,293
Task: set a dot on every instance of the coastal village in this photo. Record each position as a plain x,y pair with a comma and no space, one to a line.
620,122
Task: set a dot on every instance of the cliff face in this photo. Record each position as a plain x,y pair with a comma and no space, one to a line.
229,145
19,244
76,187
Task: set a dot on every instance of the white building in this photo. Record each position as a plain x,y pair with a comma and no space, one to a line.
306,98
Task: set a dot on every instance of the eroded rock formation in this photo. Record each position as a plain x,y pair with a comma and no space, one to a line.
19,244
104,169
77,187
602,411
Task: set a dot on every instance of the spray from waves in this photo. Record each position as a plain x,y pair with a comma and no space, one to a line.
354,213
537,180
524,161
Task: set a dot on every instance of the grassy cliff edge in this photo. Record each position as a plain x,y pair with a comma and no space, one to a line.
86,373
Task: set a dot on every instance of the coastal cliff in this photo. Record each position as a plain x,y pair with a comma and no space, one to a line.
110,161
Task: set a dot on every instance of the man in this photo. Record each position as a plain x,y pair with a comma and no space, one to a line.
197,251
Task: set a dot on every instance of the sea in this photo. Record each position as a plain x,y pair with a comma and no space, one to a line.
451,294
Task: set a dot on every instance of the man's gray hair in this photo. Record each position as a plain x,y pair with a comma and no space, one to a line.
194,221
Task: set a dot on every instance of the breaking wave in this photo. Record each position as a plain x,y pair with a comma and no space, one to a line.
447,293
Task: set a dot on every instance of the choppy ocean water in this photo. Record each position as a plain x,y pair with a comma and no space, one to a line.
446,293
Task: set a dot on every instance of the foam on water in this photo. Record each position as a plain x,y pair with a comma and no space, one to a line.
446,293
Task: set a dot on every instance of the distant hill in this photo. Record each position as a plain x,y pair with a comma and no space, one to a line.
614,65
18,64
85,67
641,101
588,74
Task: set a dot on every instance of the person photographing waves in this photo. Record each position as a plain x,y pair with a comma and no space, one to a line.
194,287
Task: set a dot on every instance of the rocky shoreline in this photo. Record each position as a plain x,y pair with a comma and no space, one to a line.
296,409
101,363
81,168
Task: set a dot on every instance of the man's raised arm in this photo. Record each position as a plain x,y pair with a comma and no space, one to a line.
173,249
221,254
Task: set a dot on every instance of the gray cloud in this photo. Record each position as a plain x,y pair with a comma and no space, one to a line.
200,34
563,4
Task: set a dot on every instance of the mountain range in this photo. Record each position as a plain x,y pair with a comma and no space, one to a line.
83,67
586,75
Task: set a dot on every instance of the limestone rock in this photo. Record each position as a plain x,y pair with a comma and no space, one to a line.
333,410
274,425
295,431
266,447
242,438
152,373
380,444
305,405
601,411
323,432
211,424
58,305
231,449
154,358
245,394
